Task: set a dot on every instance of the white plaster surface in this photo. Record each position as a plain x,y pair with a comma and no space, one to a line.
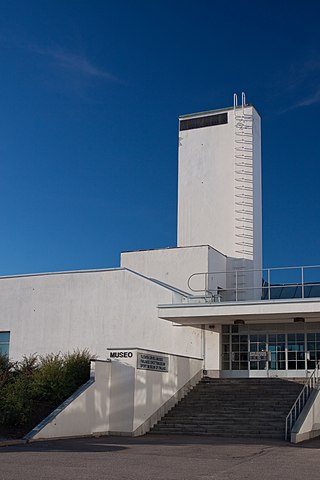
225,313
308,425
88,413
93,310
123,399
174,266
206,186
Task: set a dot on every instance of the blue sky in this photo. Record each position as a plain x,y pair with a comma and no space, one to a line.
90,93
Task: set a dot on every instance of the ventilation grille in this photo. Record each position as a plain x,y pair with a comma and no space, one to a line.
201,122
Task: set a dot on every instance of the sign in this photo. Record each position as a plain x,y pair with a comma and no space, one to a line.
118,354
157,363
258,356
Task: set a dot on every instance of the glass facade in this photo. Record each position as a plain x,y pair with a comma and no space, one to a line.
4,343
249,350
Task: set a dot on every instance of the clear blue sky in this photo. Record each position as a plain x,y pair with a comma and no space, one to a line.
90,92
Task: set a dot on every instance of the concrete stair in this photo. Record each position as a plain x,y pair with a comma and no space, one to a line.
233,408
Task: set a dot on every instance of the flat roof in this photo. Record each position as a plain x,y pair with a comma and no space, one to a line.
218,110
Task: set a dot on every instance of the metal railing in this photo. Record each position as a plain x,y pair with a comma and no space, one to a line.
302,399
258,284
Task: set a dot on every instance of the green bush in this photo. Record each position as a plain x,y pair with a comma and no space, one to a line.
6,369
50,379
16,402
58,376
76,366
28,365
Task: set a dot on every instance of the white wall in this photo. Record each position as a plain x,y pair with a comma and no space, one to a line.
308,423
124,399
94,310
206,189
86,414
175,265
212,349
257,203
217,268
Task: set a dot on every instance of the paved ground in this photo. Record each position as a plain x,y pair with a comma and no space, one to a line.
155,457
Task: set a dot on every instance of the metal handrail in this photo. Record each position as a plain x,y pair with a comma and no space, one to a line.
301,400
264,287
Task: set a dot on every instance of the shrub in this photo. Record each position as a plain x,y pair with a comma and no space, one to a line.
47,379
6,369
76,366
28,365
16,402
58,376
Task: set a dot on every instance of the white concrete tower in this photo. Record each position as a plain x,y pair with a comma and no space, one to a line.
219,187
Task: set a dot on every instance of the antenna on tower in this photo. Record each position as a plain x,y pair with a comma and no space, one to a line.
243,101
235,101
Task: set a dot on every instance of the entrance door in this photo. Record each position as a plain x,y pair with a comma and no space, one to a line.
262,354
258,357
276,354
296,355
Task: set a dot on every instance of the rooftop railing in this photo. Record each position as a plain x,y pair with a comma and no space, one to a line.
280,283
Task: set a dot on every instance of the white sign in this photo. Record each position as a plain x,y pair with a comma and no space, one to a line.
257,356
148,361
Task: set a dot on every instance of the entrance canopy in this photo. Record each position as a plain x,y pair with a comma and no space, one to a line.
223,313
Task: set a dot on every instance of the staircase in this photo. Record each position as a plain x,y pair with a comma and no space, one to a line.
232,408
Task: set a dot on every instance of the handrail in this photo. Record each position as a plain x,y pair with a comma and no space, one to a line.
265,287
301,400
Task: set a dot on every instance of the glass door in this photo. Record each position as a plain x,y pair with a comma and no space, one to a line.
296,354
258,355
276,352
273,354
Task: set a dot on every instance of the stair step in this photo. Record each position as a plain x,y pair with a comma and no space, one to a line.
232,407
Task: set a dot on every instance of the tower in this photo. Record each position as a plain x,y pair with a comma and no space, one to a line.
219,186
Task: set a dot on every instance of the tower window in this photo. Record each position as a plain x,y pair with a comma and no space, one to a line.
201,122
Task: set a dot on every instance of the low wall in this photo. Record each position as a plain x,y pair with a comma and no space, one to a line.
85,412
123,397
308,424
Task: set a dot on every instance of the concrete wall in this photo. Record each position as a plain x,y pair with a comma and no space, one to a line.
206,188
217,263
171,265
308,423
94,310
123,400
257,198
174,266
84,414
152,389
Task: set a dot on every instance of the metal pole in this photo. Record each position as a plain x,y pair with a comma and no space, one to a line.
302,282
235,102
269,291
236,285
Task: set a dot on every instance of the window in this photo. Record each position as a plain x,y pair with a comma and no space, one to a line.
207,121
4,343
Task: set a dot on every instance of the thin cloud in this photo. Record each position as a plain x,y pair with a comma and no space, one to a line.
311,100
304,84
75,63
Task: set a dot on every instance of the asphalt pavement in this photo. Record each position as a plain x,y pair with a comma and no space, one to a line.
155,457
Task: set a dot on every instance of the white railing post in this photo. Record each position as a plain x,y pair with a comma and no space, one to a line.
302,282
236,285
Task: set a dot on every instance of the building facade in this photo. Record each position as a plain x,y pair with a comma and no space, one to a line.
209,298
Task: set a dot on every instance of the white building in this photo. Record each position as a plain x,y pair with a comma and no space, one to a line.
207,300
